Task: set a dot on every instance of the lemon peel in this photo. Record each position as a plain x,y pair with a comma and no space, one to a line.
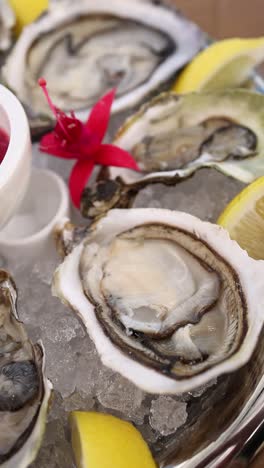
105,441
27,11
243,218
227,63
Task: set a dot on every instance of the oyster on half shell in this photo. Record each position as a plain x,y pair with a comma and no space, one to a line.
86,48
169,301
24,389
173,136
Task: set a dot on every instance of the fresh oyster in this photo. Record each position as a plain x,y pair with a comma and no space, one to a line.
170,301
7,23
84,49
172,136
24,390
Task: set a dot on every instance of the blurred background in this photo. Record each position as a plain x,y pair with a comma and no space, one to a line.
226,18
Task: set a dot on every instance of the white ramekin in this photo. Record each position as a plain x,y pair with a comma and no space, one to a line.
16,165
29,234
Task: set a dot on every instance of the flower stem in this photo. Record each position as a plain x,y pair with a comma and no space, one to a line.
43,84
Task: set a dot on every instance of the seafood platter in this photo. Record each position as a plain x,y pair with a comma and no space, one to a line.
143,306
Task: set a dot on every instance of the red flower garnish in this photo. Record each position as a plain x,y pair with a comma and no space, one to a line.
72,139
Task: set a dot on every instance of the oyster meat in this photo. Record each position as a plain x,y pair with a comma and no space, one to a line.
172,136
24,389
86,49
170,301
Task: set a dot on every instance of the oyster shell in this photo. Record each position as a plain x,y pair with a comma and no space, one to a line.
85,49
7,23
173,136
24,389
170,301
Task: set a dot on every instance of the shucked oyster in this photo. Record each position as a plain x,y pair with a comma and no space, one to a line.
172,136
85,48
170,301
24,390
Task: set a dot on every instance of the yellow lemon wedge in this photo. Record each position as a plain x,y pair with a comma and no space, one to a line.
224,64
244,219
27,11
103,441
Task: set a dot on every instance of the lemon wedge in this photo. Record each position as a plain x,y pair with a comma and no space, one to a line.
244,219
224,64
103,441
27,11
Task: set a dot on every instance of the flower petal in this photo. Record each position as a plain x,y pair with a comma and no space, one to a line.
50,144
80,174
110,155
98,120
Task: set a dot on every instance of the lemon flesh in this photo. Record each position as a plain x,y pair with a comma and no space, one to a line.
227,63
104,441
27,11
244,219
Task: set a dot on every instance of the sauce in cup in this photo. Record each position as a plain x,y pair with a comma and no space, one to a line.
4,142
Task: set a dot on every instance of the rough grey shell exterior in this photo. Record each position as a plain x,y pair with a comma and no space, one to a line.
24,388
